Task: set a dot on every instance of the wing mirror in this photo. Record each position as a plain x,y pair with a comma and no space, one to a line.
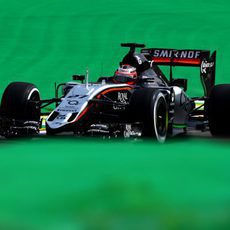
78,78
182,83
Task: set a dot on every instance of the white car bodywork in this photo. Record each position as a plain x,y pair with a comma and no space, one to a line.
76,101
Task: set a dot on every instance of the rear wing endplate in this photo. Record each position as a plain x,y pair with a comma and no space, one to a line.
197,58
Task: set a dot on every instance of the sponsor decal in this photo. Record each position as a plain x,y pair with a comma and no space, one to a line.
165,53
119,107
57,123
61,117
128,132
205,65
74,102
67,110
122,97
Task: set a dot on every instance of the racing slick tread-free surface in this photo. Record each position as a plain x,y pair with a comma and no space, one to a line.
142,108
15,103
219,110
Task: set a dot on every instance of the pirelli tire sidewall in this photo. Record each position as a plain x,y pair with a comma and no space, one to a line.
149,106
219,110
16,102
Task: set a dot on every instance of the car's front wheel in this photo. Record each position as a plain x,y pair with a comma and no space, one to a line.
20,109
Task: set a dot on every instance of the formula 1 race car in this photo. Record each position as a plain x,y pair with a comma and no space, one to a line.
137,101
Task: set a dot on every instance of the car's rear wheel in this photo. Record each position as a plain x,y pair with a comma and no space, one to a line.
219,110
150,106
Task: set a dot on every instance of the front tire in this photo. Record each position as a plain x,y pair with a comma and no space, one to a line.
16,101
20,107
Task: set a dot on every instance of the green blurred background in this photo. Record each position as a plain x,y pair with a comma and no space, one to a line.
82,183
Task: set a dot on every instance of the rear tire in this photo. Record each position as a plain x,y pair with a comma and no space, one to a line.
150,106
219,110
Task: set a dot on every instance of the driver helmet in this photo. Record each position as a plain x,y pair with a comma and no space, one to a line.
126,74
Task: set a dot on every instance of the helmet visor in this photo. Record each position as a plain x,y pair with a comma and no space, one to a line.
123,78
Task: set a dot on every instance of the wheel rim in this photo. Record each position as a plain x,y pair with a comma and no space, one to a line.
160,118
34,111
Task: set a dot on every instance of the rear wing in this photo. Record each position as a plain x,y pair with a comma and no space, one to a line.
197,58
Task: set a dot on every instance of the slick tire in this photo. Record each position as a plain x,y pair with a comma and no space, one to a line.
16,102
219,111
150,106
